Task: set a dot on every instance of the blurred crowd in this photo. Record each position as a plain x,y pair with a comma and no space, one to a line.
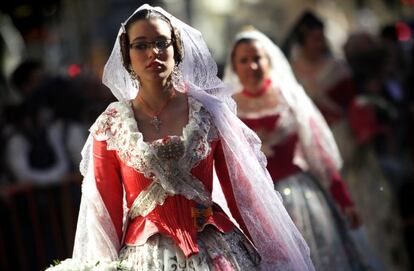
47,124
367,98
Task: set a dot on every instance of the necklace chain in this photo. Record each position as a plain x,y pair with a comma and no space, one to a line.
154,114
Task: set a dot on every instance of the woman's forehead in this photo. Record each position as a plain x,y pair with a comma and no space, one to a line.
147,28
249,47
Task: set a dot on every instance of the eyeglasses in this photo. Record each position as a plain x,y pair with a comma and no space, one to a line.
158,44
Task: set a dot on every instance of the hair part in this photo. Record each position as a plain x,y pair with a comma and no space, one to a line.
147,14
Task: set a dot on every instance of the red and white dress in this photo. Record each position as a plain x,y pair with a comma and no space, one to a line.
308,201
166,184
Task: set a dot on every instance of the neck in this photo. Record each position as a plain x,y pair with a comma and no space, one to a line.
311,57
155,93
257,90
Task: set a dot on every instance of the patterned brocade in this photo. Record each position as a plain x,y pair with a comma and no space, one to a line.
218,251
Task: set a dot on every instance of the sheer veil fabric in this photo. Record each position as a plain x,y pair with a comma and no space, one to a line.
276,237
313,130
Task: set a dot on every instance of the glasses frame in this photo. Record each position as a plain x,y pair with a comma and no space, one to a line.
152,45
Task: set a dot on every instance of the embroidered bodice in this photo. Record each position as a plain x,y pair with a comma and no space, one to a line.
167,182
167,161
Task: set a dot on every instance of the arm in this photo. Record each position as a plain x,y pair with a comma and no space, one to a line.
223,176
340,192
337,186
109,182
341,195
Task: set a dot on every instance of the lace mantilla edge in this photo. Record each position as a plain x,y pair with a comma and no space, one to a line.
168,161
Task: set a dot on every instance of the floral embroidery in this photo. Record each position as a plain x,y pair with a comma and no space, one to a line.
168,161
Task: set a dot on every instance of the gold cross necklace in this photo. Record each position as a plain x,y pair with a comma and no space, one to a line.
154,114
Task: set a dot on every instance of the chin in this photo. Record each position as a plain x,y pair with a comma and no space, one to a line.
158,76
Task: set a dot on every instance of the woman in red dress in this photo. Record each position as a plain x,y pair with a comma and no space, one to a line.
148,164
303,159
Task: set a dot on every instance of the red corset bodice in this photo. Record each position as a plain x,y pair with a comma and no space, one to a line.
178,217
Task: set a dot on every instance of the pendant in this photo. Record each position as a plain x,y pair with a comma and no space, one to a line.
157,123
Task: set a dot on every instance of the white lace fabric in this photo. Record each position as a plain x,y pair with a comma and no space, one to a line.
147,200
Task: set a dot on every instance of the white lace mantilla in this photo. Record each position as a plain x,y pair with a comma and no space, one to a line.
168,161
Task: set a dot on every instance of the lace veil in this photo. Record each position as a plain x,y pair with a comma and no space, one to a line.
273,232
318,146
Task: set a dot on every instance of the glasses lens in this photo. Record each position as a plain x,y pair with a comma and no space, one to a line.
162,44
142,46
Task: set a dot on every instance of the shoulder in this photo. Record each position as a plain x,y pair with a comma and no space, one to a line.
107,123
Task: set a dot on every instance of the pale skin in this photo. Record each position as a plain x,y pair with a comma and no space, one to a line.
154,68
252,66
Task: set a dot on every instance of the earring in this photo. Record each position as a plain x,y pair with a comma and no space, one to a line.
177,78
134,77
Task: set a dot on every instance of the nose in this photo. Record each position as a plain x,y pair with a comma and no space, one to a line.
152,51
253,66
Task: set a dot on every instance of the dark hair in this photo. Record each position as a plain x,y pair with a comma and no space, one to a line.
147,14
306,23
236,44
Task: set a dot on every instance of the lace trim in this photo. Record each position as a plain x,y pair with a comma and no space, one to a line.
147,200
168,161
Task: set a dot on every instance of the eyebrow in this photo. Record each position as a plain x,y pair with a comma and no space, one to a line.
144,38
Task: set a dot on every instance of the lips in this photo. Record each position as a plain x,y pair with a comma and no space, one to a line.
154,65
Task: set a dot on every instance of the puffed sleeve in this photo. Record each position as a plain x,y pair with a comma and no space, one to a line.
109,182
224,178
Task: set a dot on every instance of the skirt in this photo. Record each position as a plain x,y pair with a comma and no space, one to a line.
316,217
218,251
